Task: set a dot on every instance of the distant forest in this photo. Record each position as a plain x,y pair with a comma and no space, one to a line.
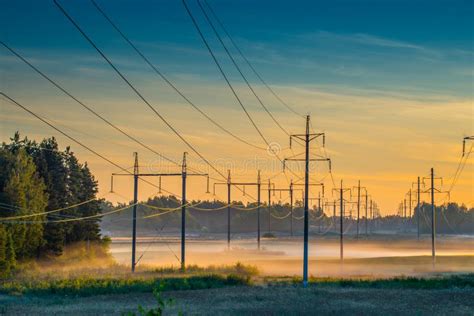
37,178
450,219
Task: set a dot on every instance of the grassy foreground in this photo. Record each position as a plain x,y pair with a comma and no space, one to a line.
99,286
232,290
117,280
114,280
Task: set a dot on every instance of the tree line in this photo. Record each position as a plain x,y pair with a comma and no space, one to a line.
451,218
36,178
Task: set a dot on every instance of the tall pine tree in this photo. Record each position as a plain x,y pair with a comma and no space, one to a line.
24,193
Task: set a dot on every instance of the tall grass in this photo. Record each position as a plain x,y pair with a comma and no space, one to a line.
114,279
87,286
442,282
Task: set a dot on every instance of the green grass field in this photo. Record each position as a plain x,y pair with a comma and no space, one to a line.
75,285
452,295
232,290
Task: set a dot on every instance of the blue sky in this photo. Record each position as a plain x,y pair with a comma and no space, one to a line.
362,43
369,72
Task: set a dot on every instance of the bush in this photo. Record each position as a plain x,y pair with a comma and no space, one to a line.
158,310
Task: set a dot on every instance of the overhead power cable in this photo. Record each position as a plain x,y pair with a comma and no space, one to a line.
239,70
75,219
51,211
172,85
122,76
198,29
119,73
86,106
214,58
281,217
460,168
248,62
75,140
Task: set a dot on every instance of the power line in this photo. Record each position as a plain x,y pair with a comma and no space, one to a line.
86,106
248,62
74,139
198,29
239,70
47,212
162,118
460,169
172,85
135,89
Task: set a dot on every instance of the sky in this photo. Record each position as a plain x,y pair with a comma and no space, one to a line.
390,83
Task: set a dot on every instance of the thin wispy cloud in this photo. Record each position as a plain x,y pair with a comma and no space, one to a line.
371,40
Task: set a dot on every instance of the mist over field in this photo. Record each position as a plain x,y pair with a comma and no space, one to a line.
380,256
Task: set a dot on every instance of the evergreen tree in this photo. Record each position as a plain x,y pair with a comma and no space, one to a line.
24,191
66,181
82,187
52,168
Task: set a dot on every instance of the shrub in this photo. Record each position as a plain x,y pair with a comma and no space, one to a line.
156,311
